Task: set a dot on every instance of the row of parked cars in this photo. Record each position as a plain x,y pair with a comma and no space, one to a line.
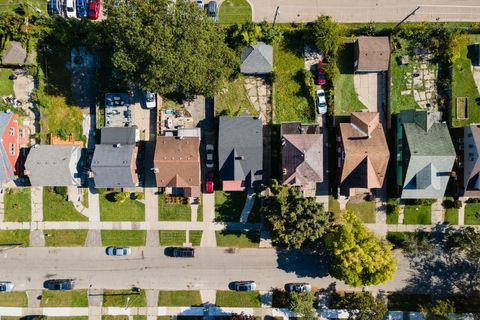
76,8
53,284
251,286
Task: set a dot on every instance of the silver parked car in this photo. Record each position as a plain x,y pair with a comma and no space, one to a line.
150,101
6,286
244,286
118,251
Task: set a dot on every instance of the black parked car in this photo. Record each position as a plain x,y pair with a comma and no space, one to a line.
58,284
180,252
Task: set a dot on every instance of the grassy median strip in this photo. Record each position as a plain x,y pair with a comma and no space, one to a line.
14,299
17,205
172,237
73,298
124,298
14,238
250,299
65,238
195,237
181,298
134,238
241,239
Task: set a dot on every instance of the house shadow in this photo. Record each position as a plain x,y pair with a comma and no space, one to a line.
303,263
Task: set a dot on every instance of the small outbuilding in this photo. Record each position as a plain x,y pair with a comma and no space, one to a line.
257,59
16,55
372,54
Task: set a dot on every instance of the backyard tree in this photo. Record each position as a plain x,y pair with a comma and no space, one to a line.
358,257
301,303
328,35
454,42
168,46
295,220
366,306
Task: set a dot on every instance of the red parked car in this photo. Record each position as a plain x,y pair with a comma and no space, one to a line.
321,79
94,9
209,182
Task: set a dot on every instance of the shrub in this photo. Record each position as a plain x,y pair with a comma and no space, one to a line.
63,191
121,196
425,202
457,203
139,196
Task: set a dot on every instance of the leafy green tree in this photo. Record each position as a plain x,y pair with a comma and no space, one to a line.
301,303
364,306
247,33
440,310
295,220
454,42
271,33
121,196
328,35
168,46
358,257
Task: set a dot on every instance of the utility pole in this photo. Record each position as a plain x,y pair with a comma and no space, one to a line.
405,19
277,12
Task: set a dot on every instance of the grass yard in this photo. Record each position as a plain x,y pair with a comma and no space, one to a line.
71,298
451,216
172,237
232,299
173,211
6,85
195,237
14,299
364,210
65,238
229,205
181,298
417,214
14,238
8,5
57,208
346,99
18,206
85,197
334,208
129,210
463,85
133,238
472,213
118,298
234,11
240,239
293,100
115,318
233,99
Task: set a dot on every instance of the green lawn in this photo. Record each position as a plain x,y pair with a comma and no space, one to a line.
115,318
293,100
181,298
451,216
463,85
346,99
234,11
232,299
14,299
85,197
172,237
134,238
65,238
57,208
18,206
401,240
173,211
120,298
233,99
393,210
334,208
229,205
73,298
364,210
129,210
417,214
472,213
14,237
240,239
6,85
8,5
195,237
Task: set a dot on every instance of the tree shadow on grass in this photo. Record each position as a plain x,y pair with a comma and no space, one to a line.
346,58
304,263
231,209
304,91
293,41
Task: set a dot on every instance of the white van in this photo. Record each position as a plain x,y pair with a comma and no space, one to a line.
70,9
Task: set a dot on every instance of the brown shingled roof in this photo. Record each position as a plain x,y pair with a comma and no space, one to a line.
373,53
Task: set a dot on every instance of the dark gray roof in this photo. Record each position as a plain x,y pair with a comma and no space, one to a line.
111,166
257,59
114,135
240,149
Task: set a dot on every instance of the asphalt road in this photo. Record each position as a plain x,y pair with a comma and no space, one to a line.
148,268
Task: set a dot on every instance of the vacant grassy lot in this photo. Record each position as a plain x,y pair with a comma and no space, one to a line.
417,214
173,211
195,237
14,299
129,210
133,238
181,298
65,238
18,206
71,298
6,85
14,238
472,213
57,208
234,11
233,99
240,239
229,205
250,299
172,237
364,210
118,298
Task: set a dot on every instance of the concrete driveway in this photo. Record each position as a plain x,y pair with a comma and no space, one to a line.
370,88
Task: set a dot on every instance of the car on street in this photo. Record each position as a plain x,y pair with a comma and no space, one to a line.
82,8
93,9
150,100
58,284
200,3
118,251
321,78
70,9
244,286
298,287
321,101
53,7
180,252
6,286
209,186
209,149
212,10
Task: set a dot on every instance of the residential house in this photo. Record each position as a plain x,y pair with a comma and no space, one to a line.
12,147
471,161
302,155
16,55
177,165
114,163
240,152
425,154
372,54
54,165
363,154
257,59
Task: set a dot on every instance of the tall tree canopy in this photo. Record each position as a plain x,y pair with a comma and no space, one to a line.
362,306
358,257
295,220
328,35
301,303
165,46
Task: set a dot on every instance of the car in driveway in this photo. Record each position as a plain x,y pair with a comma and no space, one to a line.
244,285
82,8
200,3
321,78
6,286
180,252
70,9
118,251
93,9
59,284
298,287
209,162
150,100
321,101
209,186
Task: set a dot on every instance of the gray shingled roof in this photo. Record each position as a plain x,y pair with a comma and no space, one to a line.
257,59
114,135
111,166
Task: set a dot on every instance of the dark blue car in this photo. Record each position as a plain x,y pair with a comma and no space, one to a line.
82,8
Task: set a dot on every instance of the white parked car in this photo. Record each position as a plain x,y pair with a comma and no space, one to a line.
209,162
321,101
118,251
70,9
200,3
150,100
6,286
